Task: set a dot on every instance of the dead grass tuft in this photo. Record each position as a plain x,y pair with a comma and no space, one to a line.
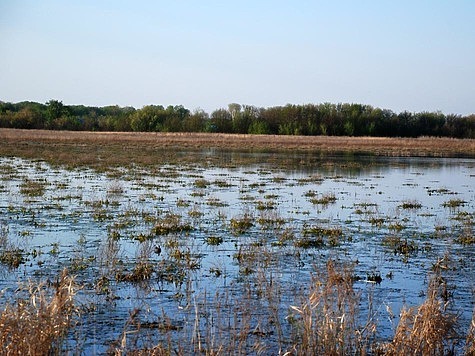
425,330
470,342
328,318
36,324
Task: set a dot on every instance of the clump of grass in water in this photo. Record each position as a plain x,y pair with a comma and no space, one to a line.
325,199
115,188
143,269
307,242
37,324
411,204
201,183
454,203
400,246
267,205
10,255
12,258
171,223
321,231
32,188
397,226
313,237
214,240
240,225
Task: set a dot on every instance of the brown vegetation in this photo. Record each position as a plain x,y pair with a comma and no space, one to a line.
36,324
121,146
425,330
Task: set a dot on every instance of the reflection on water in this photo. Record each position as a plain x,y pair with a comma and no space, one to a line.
393,218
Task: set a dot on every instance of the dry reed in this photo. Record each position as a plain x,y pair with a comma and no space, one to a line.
328,318
425,330
470,342
37,324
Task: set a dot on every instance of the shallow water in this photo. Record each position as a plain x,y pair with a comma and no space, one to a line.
93,224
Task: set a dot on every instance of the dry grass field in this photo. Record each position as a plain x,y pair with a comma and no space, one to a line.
121,146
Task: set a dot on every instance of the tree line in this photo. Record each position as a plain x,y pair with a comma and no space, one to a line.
309,119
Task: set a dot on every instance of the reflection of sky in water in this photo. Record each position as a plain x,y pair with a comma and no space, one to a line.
375,186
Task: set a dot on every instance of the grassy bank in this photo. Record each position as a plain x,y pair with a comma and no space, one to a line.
120,148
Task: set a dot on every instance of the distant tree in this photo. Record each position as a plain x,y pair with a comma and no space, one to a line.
54,110
234,110
149,118
196,122
27,118
175,116
259,127
220,121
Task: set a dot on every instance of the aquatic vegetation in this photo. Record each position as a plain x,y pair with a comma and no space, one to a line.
214,240
377,221
410,204
10,254
270,218
265,205
32,188
310,242
324,199
142,271
171,223
216,202
115,188
207,255
12,258
454,203
397,226
239,225
195,213
221,183
400,245
439,191
322,231
201,183
466,236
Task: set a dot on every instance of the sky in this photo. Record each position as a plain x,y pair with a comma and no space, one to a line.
415,55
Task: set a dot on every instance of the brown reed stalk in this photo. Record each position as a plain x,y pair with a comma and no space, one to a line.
470,342
425,330
329,316
37,324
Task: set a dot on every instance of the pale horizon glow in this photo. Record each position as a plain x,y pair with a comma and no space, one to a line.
397,55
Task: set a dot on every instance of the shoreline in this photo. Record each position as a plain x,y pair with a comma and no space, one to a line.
120,146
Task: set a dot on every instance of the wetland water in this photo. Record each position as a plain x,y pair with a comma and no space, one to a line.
212,249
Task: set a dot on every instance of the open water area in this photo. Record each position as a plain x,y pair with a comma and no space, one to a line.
207,250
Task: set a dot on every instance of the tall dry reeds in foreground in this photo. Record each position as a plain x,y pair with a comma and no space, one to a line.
36,324
328,319
470,342
425,330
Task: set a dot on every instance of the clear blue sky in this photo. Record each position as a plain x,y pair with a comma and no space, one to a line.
414,55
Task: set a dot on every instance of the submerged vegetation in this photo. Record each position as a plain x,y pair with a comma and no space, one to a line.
236,253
